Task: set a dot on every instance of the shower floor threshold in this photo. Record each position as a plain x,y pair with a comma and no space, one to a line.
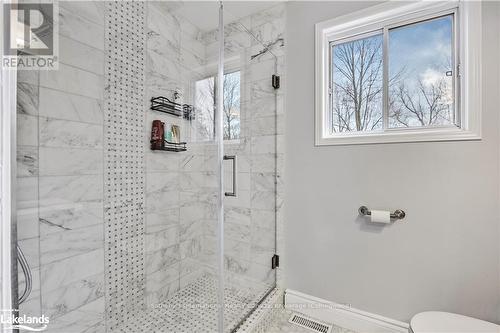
194,308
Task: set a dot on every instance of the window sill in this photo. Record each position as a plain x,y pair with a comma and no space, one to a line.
406,136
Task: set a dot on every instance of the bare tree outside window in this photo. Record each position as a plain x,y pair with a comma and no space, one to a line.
205,92
423,96
420,79
357,85
231,106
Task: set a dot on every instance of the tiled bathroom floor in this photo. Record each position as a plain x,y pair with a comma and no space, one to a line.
193,309
281,325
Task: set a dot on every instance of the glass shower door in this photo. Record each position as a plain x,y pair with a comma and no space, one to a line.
252,55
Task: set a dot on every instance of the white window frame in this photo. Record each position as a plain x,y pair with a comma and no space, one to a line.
467,57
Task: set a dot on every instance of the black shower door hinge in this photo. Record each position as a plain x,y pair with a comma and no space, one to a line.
276,81
275,261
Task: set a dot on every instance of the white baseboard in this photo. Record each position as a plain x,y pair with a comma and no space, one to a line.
341,315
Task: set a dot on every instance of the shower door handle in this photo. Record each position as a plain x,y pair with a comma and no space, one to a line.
233,158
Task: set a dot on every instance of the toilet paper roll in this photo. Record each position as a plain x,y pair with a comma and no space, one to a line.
381,216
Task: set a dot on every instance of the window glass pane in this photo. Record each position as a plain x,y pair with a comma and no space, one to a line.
356,85
205,107
231,106
421,74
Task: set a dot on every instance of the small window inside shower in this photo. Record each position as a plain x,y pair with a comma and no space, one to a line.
205,92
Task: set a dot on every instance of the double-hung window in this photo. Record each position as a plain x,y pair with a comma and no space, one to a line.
399,72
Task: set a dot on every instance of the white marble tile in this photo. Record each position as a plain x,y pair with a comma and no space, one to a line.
27,98
158,279
237,215
162,161
192,211
30,77
61,105
237,232
242,200
188,266
27,161
193,163
67,243
27,130
71,297
162,294
27,207
269,125
66,134
73,80
191,248
73,269
263,238
31,250
272,14
165,24
163,66
82,56
264,163
234,265
157,221
191,277
162,239
68,161
262,255
162,259
264,219
263,200
162,182
164,46
263,181
268,32
88,318
61,189
90,10
162,202
80,29
32,306
263,106
190,230
70,216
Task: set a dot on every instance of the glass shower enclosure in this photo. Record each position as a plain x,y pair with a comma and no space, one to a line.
147,167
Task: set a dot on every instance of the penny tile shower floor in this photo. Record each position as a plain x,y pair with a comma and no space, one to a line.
193,310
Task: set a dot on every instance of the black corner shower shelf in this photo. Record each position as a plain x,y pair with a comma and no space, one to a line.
165,105
171,146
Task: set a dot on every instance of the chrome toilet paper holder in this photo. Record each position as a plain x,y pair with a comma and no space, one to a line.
398,214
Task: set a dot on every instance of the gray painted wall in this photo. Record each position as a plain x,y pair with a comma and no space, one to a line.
445,255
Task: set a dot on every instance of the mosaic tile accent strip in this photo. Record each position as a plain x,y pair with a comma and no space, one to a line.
124,176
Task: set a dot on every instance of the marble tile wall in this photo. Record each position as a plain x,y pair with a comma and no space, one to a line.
60,184
174,181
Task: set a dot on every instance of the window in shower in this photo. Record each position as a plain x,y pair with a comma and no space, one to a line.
392,80
205,92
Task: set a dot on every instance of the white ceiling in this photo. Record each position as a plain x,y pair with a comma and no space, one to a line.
205,14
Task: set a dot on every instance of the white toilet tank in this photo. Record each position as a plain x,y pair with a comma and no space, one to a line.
437,322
